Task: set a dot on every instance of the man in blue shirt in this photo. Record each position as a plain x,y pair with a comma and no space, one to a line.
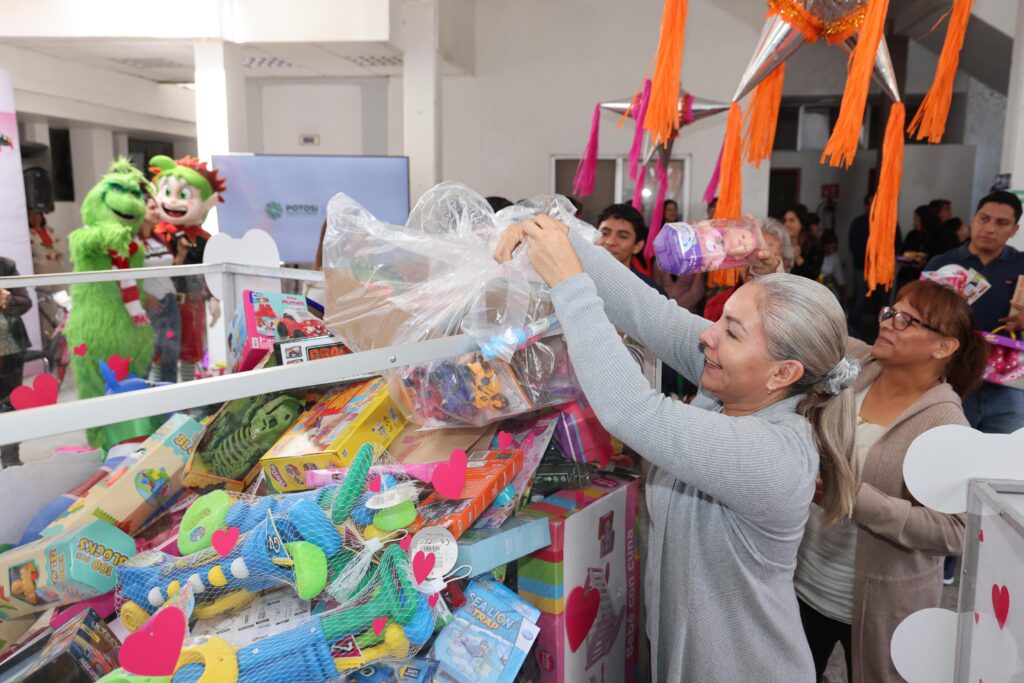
993,408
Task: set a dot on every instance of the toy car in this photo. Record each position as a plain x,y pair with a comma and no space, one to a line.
296,325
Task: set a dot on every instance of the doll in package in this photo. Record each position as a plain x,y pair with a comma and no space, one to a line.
682,248
436,277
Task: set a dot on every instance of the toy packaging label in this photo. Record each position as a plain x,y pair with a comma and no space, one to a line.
56,570
140,487
268,615
263,318
486,549
586,583
293,351
329,434
487,473
533,436
83,649
488,640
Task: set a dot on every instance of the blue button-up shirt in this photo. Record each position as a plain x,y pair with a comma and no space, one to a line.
1002,273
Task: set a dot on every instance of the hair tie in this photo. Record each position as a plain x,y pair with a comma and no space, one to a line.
842,376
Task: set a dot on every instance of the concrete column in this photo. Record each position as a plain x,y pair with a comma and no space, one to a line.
37,131
121,146
1013,133
92,151
396,145
421,95
220,98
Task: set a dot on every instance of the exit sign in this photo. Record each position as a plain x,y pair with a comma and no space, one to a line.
830,191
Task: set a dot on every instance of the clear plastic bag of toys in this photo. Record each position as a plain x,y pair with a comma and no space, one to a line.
436,277
713,244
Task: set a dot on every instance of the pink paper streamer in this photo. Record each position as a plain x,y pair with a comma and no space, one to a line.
586,172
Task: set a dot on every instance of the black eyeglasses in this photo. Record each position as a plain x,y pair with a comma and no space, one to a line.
902,320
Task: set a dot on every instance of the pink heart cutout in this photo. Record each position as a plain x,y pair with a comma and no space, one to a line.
432,600
976,617
154,649
170,334
224,540
80,350
1001,603
981,535
374,485
119,366
580,612
422,564
449,477
378,625
405,543
43,392
504,441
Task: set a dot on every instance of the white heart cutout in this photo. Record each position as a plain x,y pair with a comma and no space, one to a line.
923,646
255,248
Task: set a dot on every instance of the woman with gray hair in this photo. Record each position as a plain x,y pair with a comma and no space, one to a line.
734,472
778,242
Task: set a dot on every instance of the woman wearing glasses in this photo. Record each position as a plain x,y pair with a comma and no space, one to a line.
857,580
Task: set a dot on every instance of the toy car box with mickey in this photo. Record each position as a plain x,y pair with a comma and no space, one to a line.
263,318
83,650
586,583
487,473
140,487
58,570
329,434
293,351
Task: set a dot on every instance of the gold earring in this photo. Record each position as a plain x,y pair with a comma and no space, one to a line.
769,389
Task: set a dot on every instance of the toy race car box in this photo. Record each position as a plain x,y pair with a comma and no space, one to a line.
240,433
329,434
57,570
586,583
293,351
141,485
263,318
487,473
84,649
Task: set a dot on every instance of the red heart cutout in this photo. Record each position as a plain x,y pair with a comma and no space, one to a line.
981,535
976,617
580,613
449,477
224,540
432,600
378,625
504,441
170,334
154,649
80,350
1001,603
375,485
422,564
43,392
119,366
405,543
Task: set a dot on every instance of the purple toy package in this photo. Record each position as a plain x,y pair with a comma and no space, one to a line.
682,248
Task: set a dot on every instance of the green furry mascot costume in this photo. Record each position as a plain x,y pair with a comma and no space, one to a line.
107,318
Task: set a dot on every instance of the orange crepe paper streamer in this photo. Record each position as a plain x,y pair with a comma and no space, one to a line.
794,14
730,195
662,118
880,259
929,122
842,146
763,117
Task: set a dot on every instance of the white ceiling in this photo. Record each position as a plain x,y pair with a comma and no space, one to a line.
171,61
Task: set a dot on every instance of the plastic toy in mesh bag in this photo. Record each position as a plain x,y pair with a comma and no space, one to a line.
228,576
436,277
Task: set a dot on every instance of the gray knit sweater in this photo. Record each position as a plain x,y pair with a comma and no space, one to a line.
728,497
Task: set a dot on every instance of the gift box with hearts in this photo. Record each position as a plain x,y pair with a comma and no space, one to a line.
586,583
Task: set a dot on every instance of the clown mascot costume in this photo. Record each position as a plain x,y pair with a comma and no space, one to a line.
186,190
107,318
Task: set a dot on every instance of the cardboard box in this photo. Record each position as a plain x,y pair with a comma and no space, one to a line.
81,651
592,558
263,318
58,570
293,351
487,473
330,433
414,445
136,490
487,549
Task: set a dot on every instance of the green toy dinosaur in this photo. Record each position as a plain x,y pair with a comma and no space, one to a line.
107,318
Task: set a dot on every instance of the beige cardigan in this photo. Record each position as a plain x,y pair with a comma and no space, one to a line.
900,543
